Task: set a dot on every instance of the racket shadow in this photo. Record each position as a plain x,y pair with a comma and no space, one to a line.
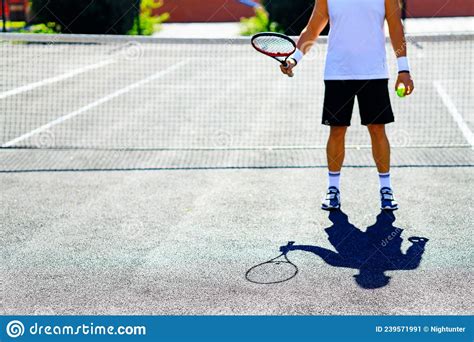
274,271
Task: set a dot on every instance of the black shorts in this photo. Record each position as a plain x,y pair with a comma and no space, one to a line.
373,98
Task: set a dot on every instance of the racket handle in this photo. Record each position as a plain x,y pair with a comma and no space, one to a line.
291,243
286,65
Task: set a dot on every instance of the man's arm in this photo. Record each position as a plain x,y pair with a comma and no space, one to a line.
397,36
316,25
330,257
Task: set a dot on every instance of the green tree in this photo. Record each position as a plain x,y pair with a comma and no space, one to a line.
149,22
259,23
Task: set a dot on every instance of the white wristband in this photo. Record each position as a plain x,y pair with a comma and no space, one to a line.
297,56
403,64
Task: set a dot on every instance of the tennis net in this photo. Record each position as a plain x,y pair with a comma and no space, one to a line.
136,93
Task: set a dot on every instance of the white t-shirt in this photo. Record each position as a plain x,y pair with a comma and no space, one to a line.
356,43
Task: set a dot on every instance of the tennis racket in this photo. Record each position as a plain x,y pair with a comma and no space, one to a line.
274,271
275,45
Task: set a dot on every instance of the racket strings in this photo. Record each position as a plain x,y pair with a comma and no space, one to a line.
274,45
274,271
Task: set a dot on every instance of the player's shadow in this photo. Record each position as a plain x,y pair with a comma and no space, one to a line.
372,252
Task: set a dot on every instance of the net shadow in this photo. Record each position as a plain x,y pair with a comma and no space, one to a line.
44,160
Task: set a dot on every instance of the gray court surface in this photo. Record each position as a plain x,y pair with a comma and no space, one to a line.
180,242
137,178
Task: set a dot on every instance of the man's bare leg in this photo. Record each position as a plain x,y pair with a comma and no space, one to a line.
381,154
380,147
336,148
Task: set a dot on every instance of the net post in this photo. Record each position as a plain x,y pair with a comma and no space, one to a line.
4,17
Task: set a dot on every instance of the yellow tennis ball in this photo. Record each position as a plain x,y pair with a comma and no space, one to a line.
401,91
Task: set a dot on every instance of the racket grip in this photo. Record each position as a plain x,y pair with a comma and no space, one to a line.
286,65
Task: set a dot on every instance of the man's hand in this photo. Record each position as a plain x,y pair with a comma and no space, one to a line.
405,79
289,247
288,69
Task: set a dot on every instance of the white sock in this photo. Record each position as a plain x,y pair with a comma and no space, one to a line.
385,181
334,179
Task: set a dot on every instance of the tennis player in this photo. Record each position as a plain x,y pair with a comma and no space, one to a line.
356,66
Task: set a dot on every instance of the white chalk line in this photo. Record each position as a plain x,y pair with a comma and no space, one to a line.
452,109
55,79
94,104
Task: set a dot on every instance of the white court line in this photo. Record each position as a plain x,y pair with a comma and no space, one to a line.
55,79
448,102
95,104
